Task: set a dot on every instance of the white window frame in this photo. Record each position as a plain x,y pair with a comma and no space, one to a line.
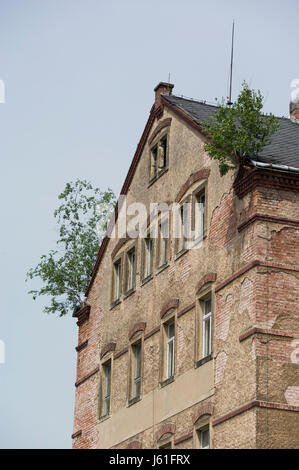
201,432
107,388
131,269
170,342
207,318
136,378
199,214
148,258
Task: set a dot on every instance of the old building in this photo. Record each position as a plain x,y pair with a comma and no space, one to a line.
196,346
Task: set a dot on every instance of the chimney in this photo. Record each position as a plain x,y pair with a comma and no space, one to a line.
162,88
294,110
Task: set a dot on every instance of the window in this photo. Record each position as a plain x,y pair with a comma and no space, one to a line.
163,243
166,446
207,327
116,289
159,157
204,438
106,388
148,258
136,382
199,215
131,259
170,338
183,226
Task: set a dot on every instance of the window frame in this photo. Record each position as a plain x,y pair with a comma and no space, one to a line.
145,275
130,288
155,145
199,192
114,299
165,378
180,247
200,356
159,264
104,396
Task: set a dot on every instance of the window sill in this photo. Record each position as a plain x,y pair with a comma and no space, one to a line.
115,303
153,180
204,360
130,292
167,381
181,253
134,400
161,268
104,418
147,279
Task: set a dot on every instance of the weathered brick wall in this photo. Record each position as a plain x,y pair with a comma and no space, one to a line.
248,295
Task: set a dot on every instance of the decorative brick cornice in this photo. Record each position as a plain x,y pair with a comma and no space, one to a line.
168,428
267,218
206,409
165,123
184,438
206,279
81,346
248,179
77,434
107,348
253,404
82,314
134,445
173,303
262,331
202,174
185,310
253,264
140,326
86,377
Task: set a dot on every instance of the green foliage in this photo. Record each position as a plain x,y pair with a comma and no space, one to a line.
82,217
238,131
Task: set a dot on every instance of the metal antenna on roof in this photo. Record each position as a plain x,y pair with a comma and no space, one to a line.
229,98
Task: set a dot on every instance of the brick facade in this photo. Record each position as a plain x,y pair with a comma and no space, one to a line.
247,390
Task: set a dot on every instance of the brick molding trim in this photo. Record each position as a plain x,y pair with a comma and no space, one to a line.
252,265
267,218
120,353
248,179
185,310
206,279
186,437
82,314
81,346
168,428
86,377
254,404
107,348
134,445
204,410
173,303
193,178
165,123
118,246
140,326
262,331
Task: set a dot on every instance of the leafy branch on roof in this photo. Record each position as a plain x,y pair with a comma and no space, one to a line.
235,132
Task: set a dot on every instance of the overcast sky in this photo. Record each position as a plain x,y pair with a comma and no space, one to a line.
79,77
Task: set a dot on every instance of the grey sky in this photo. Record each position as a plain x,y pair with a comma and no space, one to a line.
79,78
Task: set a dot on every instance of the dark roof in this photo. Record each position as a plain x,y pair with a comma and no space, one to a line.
283,148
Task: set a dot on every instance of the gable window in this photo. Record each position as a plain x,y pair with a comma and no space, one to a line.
136,369
170,347
116,281
159,158
106,388
207,327
131,270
